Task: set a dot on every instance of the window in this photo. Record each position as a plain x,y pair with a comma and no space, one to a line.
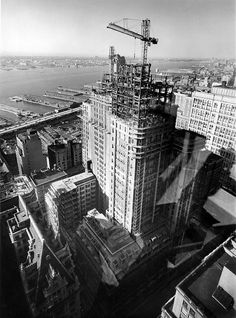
191,313
184,308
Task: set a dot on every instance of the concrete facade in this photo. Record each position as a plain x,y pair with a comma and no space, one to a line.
68,200
29,153
212,115
97,142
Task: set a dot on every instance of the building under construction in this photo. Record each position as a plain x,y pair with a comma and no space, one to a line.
145,176
127,135
140,143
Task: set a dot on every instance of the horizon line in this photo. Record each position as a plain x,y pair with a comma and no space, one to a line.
106,57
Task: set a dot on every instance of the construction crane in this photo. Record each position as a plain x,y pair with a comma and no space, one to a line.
145,36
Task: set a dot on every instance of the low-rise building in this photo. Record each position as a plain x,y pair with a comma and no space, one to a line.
106,245
20,185
222,207
209,290
47,273
41,181
65,155
29,152
68,200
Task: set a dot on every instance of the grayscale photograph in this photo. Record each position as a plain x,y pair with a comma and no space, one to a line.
118,159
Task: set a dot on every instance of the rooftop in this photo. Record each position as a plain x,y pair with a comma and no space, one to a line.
71,183
19,186
26,135
58,147
222,206
205,285
47,176
200,284
109,244
21,216
114,237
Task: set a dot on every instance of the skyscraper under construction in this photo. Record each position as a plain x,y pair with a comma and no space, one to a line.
128,142
128,139
140,144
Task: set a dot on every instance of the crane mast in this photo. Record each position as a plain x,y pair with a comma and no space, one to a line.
144,37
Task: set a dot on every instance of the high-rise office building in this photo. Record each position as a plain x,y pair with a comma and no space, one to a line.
68,200
212,115
29,152
140,146
97,130
148,178
97,141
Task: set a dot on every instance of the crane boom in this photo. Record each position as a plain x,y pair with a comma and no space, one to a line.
143,37
125,31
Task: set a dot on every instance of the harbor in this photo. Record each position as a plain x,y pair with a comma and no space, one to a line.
67,94
32,99
56,102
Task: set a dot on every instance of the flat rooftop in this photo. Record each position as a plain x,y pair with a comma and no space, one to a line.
26,135
114,237
71,183
21,216
19,186
46,176
200,285
222,207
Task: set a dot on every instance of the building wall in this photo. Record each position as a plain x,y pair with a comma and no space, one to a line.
65,207
58,156
138,156
96,143
29,154
42,188
183,306
76,153
228,282
184,104
212,115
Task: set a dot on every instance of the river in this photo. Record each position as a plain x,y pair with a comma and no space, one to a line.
37,81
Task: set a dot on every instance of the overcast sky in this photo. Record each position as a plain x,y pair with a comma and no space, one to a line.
185,28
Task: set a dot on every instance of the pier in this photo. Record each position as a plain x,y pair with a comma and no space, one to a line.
35,100
9,109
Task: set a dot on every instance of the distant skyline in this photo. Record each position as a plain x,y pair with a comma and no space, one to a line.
185,28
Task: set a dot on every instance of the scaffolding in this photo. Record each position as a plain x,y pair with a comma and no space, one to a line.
135,96
132,92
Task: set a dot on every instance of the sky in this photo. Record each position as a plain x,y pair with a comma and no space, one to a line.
185,28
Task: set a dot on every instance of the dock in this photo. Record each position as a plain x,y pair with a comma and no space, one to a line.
34,100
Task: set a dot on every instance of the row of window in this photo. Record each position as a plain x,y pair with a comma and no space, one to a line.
187,311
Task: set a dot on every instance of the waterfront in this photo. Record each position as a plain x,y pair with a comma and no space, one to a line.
37,81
